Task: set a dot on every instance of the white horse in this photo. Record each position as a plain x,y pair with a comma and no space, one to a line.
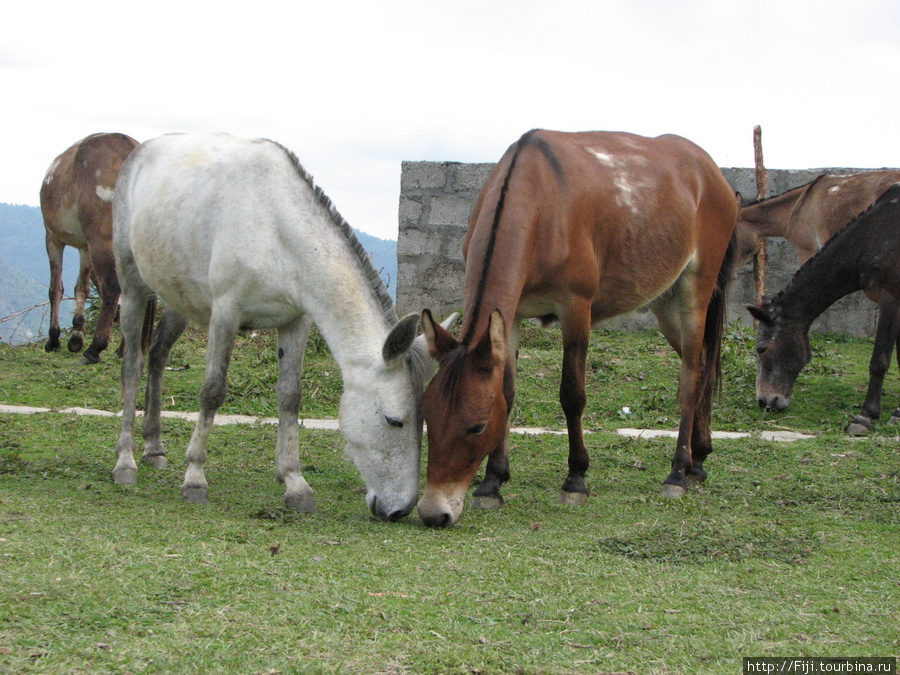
233,234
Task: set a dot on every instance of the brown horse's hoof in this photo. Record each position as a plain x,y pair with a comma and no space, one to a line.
572,498
306,503
859,426
671,491
156,461
75,341
486,503
195,495
125,476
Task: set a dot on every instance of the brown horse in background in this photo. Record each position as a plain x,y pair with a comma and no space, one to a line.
578,227
76,202
809,216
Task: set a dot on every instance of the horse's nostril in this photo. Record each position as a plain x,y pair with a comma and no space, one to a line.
396,515
762,402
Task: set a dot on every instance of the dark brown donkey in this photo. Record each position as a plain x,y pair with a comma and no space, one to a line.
578,227
865,255
807,217
76,202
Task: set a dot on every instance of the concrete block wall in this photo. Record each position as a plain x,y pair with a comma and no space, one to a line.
436,200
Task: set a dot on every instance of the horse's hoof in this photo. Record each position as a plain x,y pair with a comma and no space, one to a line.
305,503
195,495
486,503
859,426
696,477
156,461
75,342
895,418
671,491
125,476
572,498
51,347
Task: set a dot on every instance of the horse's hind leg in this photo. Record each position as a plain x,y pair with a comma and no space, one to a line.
885,338
576,337
171,326
82,288
291,347
104,266
487,495
125,472
223,329
55,256
895,416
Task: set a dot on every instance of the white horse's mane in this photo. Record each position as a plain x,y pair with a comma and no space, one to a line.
371,274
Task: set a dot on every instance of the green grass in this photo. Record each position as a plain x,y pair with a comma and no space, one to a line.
787,549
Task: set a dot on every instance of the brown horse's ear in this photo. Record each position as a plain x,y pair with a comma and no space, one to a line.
761,314
439,340
491,349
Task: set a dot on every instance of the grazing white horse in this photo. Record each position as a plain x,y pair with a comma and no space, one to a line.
233,234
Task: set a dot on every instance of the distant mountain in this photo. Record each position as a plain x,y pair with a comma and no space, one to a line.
25,271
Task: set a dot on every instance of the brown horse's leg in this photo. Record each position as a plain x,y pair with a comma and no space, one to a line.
895,416
104,265
55,255
487,495
576,336
82,287
885,338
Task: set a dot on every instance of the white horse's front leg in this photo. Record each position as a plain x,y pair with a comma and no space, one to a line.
222,332
291,347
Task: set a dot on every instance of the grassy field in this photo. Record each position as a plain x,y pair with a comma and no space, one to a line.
788,549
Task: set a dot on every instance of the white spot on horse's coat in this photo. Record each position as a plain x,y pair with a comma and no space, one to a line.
605,158
105,193
836,188
51,172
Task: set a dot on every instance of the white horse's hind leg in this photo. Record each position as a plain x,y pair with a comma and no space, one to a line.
222,332
132,318
170,327
291,347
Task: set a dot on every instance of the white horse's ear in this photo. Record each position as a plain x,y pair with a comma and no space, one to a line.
401,338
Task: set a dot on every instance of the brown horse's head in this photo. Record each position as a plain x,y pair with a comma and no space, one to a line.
465,409
782,348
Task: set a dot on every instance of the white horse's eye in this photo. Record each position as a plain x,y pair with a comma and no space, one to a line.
394,422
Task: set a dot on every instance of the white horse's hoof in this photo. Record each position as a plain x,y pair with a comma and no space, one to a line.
195,495
125,476
301,502
673,491
156,461
572,498
486,503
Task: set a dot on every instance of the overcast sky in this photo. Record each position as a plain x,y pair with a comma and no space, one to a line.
354,87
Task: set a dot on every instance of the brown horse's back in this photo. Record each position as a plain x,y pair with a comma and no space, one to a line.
584,214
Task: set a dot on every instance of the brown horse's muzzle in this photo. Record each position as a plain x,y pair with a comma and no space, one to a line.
442,506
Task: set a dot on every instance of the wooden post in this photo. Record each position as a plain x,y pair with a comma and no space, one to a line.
762,188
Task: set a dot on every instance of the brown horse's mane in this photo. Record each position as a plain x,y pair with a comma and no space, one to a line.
371,274
891,193
786,192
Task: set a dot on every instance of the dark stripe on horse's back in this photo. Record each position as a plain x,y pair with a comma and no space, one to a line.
489,253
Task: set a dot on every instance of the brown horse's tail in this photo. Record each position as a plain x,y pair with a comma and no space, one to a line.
715,318
147,329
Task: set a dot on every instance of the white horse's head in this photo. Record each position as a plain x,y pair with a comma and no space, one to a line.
381,421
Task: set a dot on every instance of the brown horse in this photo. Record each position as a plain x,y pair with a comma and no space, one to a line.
808,216
578,227
862,256
76,202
